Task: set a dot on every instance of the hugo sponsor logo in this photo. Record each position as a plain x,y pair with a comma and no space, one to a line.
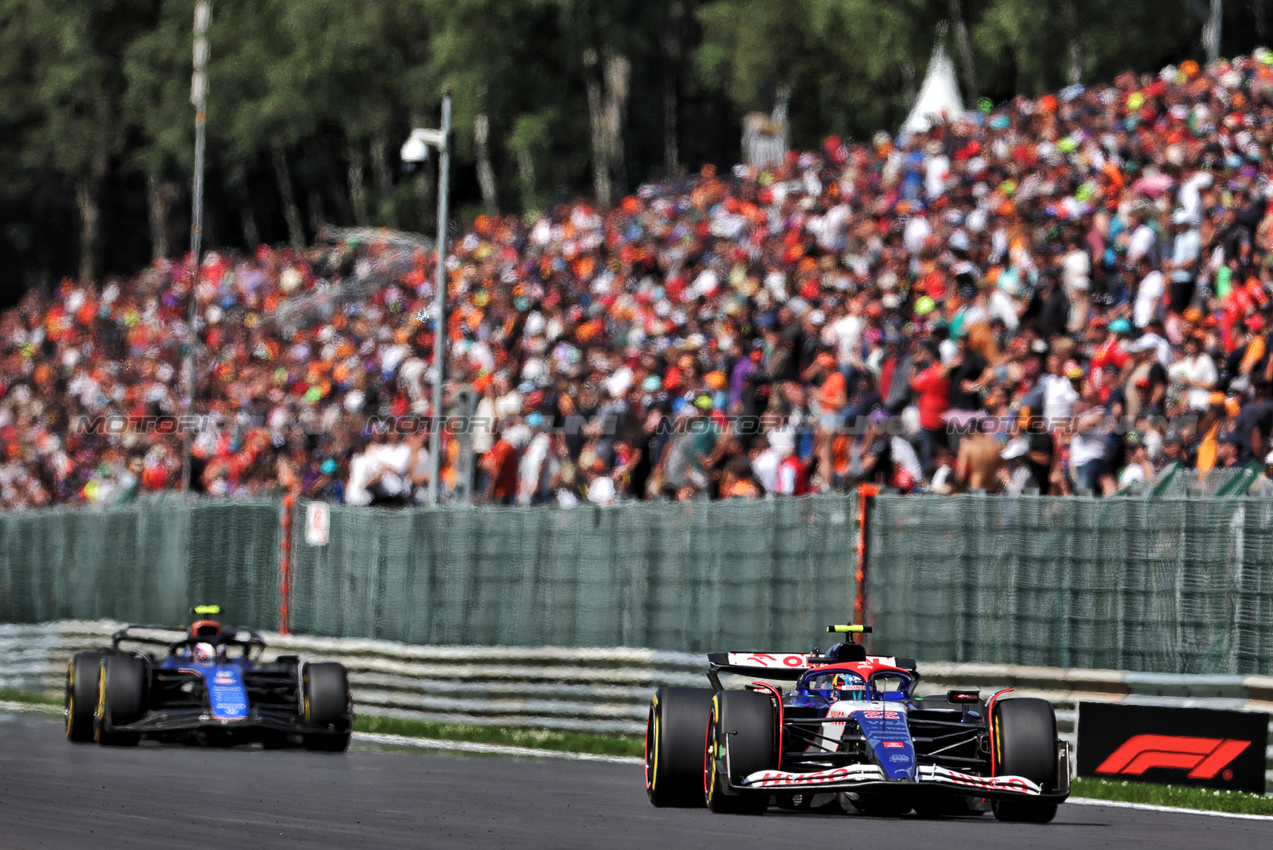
1203,758
819,778
1008,783
894,745
881,715
764,659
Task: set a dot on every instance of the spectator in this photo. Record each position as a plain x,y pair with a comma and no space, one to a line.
710,302
930,379
1015,476
1138,468
500,466
1183,265
1194,375
979,462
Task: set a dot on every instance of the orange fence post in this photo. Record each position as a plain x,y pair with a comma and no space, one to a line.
865,492
285,566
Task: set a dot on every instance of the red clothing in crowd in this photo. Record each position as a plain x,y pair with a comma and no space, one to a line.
501,464
793,477
1109,353
934,397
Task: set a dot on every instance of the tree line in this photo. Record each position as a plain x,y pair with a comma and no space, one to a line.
310,100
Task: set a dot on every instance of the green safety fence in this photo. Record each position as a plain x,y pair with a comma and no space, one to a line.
690,576
1181,585
146,562
1167,584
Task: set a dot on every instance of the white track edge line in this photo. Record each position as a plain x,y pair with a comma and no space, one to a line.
1149,807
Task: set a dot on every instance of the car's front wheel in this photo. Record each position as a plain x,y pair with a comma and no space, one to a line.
1024,742
121,699
81,695
326,702
674,731
739,742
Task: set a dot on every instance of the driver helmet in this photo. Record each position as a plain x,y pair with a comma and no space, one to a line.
206,653
849,687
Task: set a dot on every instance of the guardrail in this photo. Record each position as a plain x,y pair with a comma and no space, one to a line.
600,690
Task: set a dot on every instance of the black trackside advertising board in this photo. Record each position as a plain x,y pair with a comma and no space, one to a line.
1205,747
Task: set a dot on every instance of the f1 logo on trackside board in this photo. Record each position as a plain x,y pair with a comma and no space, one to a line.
1168,745
1204,758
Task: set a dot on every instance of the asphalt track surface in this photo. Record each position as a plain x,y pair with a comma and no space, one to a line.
57,795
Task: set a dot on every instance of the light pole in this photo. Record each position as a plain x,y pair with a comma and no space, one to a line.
199,98
414,151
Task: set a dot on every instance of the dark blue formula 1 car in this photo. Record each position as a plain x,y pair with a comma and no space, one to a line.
850,729
205,684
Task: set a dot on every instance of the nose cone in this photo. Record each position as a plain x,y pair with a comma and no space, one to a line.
889,738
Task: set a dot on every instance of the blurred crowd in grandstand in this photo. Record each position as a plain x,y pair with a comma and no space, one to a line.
1058,296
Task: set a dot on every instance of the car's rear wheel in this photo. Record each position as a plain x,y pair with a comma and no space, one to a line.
326,702
121,699
674,731
1024,742
739,742
81,695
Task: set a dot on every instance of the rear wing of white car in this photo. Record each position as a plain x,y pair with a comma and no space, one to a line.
787,666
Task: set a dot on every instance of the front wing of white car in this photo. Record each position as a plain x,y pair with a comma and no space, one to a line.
855,776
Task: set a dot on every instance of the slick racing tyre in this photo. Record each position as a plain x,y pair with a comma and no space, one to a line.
1024,744
740,741
81,695
674,746
326,702
121,699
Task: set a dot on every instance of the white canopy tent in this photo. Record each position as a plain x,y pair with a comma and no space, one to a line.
938,96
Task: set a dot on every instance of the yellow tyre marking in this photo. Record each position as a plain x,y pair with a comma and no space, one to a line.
101,702
654,772
70,696
711,739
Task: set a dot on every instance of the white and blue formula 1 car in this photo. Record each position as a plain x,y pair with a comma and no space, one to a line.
850,729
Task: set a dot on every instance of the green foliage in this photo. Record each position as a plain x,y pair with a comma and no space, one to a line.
95,96
844,63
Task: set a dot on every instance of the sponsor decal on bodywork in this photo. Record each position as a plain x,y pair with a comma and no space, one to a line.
777,661
227,697
945,776
836,776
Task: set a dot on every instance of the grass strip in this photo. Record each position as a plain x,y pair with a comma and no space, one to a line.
8,695
543,739
1178,796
